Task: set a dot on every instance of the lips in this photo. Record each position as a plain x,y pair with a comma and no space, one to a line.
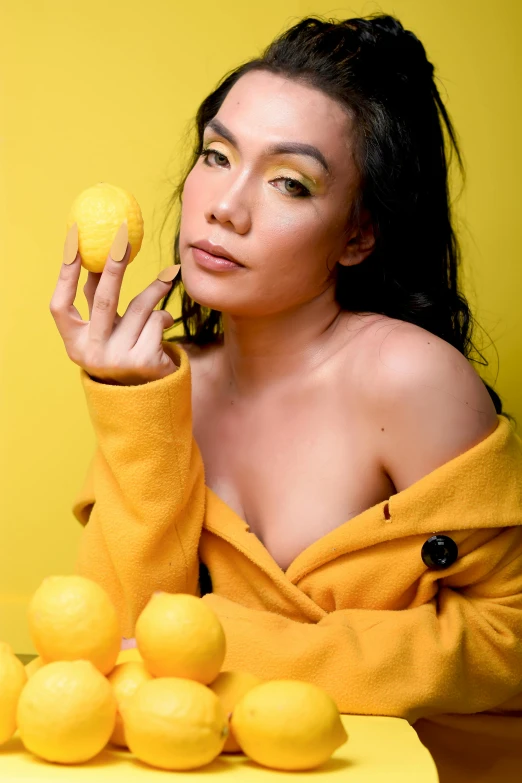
216,250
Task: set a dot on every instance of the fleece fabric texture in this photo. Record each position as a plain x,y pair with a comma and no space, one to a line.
357,612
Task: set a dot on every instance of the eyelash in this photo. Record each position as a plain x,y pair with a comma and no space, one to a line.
206,152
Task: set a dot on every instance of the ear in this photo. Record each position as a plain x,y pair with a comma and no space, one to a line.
360,244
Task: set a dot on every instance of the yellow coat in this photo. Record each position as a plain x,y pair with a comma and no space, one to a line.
358,612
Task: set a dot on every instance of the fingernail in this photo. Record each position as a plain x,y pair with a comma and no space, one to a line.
167,275
70,248
119,245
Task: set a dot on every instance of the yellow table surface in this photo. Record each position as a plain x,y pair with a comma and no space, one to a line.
379,750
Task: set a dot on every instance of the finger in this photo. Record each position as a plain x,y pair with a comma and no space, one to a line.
139,311
61,305
152,332
107,293
89,289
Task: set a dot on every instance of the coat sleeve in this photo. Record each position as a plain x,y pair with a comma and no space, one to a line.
459,653
143,499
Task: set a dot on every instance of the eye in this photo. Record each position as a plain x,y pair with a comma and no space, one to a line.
302,189
205,154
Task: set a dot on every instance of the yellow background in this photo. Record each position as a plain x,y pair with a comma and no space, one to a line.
103,91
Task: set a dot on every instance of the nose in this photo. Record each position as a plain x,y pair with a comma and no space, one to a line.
228,203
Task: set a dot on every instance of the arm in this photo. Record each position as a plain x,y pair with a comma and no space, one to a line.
459,653
142,502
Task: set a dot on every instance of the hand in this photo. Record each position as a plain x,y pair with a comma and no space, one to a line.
124,350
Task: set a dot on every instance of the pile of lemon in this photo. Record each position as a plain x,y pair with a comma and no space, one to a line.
166,700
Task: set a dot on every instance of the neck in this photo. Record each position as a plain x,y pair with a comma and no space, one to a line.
262,353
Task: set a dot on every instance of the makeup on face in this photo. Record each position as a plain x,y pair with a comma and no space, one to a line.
279,148
315,185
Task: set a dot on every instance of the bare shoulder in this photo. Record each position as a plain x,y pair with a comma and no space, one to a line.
426,399
405,358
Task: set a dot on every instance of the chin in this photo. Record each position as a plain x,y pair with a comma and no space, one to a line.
209,291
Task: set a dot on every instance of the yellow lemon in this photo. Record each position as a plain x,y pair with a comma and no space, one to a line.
230,687
125,679
99,211
132,654
13,678
178,635
67,712
33,666
174,724
288,725
72,618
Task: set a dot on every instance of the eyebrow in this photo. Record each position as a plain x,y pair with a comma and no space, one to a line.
282,148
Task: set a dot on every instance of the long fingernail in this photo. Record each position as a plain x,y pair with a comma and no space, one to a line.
167,275
119,245
70,248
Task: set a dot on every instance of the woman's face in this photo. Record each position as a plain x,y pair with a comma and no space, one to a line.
283,215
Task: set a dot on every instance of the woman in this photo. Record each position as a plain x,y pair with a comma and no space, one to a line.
317,459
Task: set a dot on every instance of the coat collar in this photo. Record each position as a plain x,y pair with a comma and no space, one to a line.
481,488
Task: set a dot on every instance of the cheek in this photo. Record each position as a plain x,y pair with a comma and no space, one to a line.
296,235
191,203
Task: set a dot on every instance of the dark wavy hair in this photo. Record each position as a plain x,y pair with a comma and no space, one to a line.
404,144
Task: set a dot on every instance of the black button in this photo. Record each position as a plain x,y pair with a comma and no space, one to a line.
205,581
439,552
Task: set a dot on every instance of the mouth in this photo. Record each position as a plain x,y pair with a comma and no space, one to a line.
216,251
214,258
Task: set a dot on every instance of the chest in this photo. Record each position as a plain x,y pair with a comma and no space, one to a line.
294,467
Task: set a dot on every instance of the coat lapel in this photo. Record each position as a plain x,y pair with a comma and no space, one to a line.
481,488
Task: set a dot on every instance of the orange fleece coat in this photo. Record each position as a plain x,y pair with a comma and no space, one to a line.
358,612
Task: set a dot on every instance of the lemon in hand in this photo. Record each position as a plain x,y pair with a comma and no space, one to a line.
13,678
178,635
99,211
67,712
72,618
288,725
175,724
